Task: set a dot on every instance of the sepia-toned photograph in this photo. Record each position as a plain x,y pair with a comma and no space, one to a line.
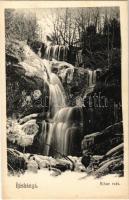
64,111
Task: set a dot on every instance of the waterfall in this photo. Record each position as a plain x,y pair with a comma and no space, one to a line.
58,56
91,81
91,77
94,77
62,129
56,90
58,52
61,126
56,99
64,134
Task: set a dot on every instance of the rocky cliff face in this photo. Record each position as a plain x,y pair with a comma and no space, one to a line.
26,86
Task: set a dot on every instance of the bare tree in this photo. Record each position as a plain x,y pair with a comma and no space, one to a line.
64,27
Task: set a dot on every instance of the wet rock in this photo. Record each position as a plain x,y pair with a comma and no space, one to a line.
86,160
79,167
32,165
100,142
26,81
55,172
21,134
16,160
42,163
62,167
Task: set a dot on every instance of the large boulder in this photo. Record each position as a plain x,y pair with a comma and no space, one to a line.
100,142
16,161
26,80
21,134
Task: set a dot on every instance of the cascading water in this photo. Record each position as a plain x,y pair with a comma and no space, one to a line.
57,99
55,52
64,132
94,77
56,91
61,132
61,129
91,81
91,77
58,52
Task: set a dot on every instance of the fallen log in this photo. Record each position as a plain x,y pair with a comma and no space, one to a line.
115,149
